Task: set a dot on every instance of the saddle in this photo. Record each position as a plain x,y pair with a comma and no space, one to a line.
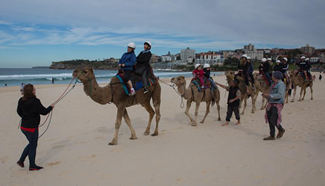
207,84
136,81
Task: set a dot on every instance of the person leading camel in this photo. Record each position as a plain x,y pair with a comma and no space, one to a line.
142,66
233,100
198,73
275,105
126,64
29,109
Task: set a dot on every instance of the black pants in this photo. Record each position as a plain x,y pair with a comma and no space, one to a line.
30,149
272,115
145,78
230,110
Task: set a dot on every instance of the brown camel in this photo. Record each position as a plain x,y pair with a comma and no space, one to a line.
244,90
192,94
114,93
298,80
262,87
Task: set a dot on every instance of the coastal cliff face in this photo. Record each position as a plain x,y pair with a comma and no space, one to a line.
109,64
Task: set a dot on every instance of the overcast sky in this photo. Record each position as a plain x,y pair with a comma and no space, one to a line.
37,32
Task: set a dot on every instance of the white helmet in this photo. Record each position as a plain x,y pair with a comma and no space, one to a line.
206,65
244,56
277,61
148,43
303,57
131,45
264,60
286,59
249,57
197,65
269,59
307,59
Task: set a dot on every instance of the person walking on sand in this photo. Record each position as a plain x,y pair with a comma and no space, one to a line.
233,101
275,104
29,109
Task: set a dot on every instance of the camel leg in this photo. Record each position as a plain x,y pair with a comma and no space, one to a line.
301,92
245,104
188,106
157,110
207,110
254,97
120,113
263,101
305,90
218,108
311,92
294,94
128,122
197,106
151,112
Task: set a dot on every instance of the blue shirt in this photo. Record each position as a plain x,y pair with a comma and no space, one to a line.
128,59
277,93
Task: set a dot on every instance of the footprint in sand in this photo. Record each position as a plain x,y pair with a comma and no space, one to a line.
88,157
3,159
53,163
179,179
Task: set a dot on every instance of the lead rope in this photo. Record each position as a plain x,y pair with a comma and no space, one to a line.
49,116
65,92
173,87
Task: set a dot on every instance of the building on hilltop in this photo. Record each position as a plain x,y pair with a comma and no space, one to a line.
253,53
307,50
187,55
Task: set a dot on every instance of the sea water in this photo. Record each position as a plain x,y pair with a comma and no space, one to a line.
17,76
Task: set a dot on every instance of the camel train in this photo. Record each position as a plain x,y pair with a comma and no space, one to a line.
114,93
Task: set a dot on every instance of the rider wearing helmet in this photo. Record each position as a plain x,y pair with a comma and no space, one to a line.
143,64
264,69
126,65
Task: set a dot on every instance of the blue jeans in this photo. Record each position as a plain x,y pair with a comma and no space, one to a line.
30,149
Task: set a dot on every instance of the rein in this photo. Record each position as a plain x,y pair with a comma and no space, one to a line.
173,86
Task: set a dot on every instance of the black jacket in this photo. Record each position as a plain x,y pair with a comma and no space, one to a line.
144,58
30,110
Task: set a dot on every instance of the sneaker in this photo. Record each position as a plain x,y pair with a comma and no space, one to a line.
132,92
280,134
36,168
21,164
269,138
145,91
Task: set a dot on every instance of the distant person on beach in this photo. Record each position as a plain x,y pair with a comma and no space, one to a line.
320,76
142,66
29,109
233,101
275,104
126,65
6,84
22,88
52,80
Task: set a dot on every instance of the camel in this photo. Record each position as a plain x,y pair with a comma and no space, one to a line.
244,90
298,80
192,94
114,93
261,86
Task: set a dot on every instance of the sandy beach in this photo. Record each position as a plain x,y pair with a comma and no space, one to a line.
75,149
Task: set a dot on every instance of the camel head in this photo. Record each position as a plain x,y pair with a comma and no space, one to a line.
178,81
230,75
84,74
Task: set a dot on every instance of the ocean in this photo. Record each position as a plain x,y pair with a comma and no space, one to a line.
16,76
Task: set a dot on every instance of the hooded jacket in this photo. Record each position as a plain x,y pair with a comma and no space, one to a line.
29,110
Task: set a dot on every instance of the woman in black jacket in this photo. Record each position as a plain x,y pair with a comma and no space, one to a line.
142,66
29,109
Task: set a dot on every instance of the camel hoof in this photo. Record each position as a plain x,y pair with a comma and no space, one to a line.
133,138
193,123
146,133
292,101
312,99
154,134
112,143
219,119
202,122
